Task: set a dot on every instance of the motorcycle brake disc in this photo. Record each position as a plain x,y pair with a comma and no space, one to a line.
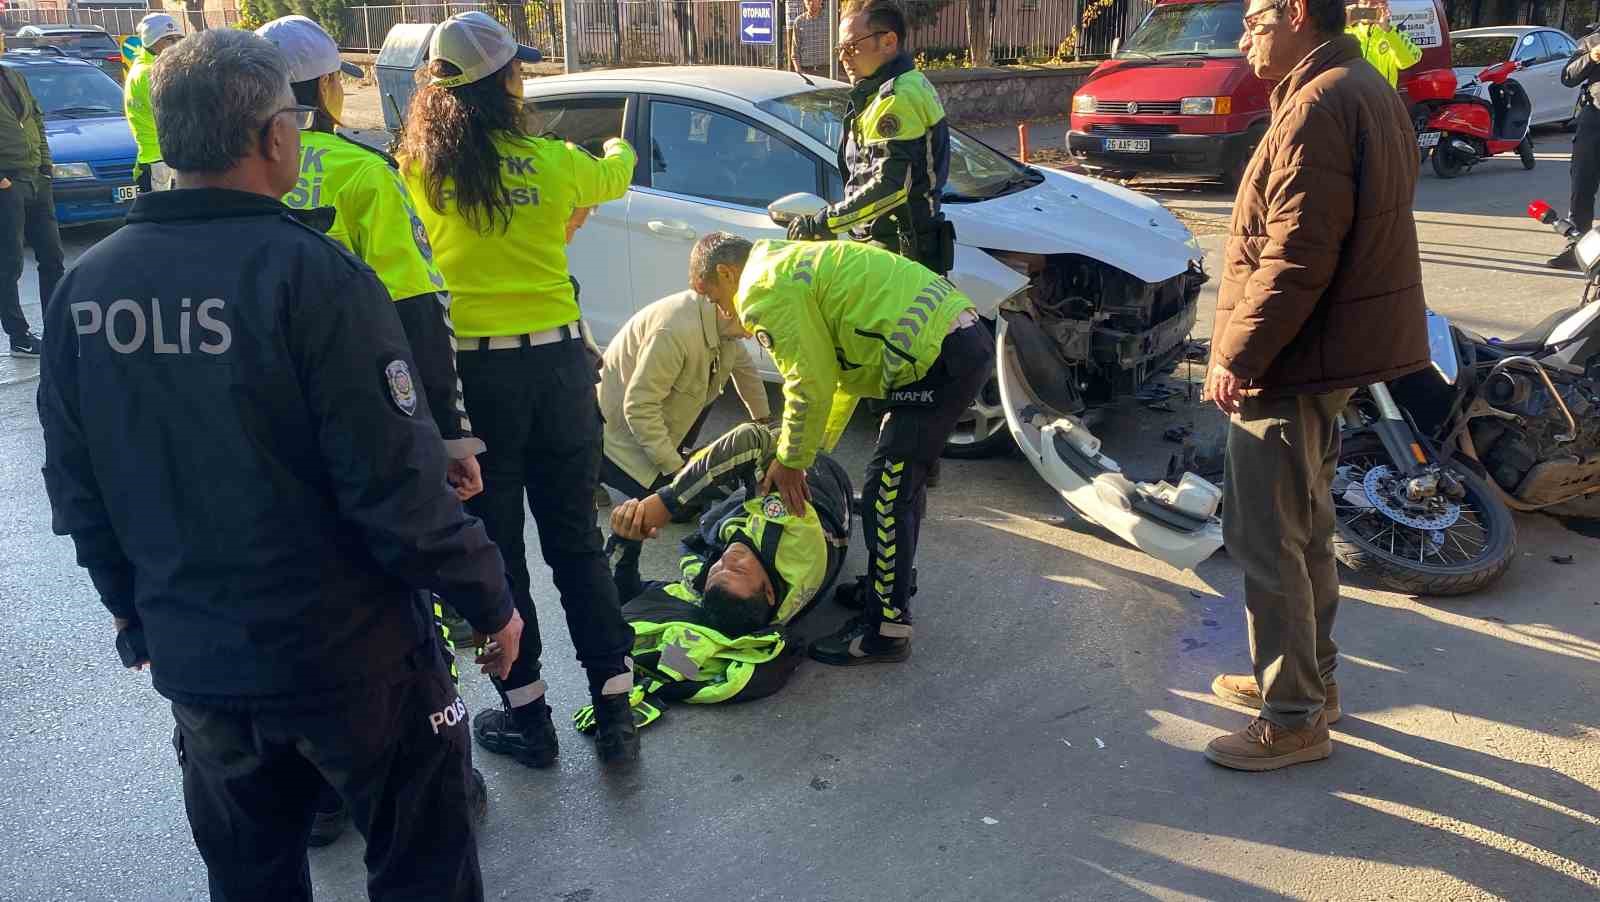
1373,483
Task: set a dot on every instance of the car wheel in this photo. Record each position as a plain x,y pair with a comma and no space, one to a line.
982,430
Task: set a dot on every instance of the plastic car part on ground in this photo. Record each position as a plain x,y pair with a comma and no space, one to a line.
1175,524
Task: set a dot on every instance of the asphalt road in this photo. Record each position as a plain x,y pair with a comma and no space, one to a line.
1043,743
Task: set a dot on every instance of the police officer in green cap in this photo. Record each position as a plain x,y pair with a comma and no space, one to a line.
896,149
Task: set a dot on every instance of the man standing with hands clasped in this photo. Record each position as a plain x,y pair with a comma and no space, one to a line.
238,448
1321,293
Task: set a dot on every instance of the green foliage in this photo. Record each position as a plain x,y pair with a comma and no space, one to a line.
330,14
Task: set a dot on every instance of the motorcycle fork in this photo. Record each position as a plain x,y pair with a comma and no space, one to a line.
1395,433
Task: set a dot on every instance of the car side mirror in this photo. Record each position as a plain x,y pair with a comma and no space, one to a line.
793,206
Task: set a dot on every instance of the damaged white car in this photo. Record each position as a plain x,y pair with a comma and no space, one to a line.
1090,288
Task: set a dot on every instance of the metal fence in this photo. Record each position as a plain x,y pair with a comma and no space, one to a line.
116,21
707,32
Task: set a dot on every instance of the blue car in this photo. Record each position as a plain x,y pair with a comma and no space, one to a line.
90,143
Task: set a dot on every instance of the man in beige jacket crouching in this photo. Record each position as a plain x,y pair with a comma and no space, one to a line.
662,371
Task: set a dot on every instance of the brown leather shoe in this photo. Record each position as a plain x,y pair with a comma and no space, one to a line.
1264,745
1241,689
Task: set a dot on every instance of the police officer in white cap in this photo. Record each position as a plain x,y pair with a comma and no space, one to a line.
157,32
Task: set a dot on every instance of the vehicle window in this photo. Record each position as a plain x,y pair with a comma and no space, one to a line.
1549,48
1480,51
702,153
585,121
1188,29
73,91
1529,49
92,44
1561,44
976,170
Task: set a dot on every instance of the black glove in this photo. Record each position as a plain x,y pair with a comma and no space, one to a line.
130,646
810,228
141,177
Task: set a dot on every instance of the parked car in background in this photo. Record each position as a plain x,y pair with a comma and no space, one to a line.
85,42
1541,54
1179,97
90,143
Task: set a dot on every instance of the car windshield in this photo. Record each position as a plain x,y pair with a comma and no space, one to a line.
73,91
1482,50
1188,29
977,171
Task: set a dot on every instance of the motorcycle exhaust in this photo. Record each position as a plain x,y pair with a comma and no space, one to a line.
1463,149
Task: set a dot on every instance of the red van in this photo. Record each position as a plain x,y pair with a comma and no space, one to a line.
1179,97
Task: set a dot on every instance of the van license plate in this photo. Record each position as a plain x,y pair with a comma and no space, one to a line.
1128,145
1428,139
126,193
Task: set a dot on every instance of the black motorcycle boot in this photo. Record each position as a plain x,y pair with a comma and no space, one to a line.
855,595
330,821
1567,259
865,640
525,733
616,736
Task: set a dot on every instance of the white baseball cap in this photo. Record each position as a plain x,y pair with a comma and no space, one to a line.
477,45
310,50
156,26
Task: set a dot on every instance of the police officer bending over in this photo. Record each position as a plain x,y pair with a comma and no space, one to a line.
1583,72
717,633
258,491
845,321
896,147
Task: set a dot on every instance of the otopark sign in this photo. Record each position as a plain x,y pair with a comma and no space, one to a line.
756,22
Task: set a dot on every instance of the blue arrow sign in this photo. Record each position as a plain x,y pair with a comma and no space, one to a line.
756,22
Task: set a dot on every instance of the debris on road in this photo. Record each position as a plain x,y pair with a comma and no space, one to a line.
1561,558
1099,743
990,821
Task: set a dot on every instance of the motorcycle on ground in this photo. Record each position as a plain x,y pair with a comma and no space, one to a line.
1463,125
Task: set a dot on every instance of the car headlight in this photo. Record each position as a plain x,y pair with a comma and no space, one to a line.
1206,106
1084,103
71,171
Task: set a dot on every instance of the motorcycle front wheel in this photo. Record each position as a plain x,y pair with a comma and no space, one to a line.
1460,552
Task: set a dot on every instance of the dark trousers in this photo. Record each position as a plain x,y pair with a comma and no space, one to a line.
1585,168
618,478
1278,492
536,410
27,209
919,418
397,754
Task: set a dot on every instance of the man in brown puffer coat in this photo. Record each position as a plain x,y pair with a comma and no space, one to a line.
1321,293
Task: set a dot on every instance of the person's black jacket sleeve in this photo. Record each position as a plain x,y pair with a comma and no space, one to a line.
385,461
736,458
427,326
1579,67
77,507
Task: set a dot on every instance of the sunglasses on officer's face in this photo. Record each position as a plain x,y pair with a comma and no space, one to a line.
851,48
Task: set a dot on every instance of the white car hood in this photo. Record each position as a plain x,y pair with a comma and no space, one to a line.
1072,214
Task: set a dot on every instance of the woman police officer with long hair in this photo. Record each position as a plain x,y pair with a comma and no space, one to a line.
496,202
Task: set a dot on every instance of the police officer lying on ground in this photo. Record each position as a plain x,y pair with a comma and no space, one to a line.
717,633
235,444
844,321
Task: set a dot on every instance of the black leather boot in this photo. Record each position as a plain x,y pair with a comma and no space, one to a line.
616,737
